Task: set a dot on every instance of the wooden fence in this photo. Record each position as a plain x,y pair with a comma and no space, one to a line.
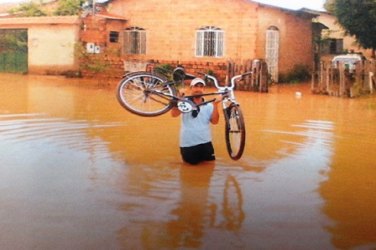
339,80
257,82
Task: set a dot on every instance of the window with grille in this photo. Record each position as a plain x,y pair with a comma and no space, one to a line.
134,40
209,42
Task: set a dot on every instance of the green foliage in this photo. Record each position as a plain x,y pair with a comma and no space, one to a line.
95,63
358,18
165,70
33,9
299,73
68,7
207,79
13,41
329,5
30,9
211,72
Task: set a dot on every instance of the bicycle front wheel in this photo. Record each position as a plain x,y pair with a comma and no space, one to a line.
145,94
235,131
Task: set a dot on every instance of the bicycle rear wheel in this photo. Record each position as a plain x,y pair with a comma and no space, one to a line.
145,94
235,131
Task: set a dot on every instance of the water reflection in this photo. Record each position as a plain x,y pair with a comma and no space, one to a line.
187,221
79,172
232,205
191,213
349,191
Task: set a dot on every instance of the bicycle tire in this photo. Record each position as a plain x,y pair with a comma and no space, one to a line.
234,131
232,204
134,93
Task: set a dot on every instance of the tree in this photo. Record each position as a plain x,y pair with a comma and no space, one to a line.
329,5
13,40
358,18
29,9
68,7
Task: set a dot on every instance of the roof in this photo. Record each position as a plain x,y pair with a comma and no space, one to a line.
320,26
314,12
301,12
40,20
111,16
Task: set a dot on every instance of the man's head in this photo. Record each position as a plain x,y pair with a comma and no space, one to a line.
197,86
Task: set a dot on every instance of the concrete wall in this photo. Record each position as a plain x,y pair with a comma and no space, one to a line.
51,42
337,32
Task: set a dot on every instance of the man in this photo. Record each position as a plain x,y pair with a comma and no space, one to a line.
195,133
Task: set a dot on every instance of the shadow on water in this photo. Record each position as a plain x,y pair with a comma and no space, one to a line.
78,171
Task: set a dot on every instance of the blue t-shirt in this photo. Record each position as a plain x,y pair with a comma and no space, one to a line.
196,130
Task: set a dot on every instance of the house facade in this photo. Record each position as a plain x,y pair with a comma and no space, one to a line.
209,32
50,42
337,42
203,34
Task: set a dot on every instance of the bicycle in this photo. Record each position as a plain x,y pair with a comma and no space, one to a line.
150,94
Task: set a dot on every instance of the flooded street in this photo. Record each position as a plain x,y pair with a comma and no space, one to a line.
77,171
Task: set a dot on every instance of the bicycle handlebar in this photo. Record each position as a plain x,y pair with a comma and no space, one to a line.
233,80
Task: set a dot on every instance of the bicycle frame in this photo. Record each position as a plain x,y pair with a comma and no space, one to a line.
186,105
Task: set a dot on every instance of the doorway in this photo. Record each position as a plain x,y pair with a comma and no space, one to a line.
13,50
272,52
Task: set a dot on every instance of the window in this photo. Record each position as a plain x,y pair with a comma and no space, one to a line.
135,40
114,36
335,46
209,42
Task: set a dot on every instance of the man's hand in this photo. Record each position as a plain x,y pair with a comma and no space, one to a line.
218,99
175,112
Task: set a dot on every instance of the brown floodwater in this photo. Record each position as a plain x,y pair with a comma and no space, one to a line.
79,172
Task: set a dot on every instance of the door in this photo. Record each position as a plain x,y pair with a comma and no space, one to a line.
272,52
13,50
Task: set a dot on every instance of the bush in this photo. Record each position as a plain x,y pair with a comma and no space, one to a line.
165,70
299,73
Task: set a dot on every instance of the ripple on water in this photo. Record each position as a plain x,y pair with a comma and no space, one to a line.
37,127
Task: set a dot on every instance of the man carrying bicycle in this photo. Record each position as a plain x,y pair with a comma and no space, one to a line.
195,133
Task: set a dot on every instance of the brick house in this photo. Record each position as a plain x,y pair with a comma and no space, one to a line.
204,33
200,35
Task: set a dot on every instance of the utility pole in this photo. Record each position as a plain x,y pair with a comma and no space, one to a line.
93,7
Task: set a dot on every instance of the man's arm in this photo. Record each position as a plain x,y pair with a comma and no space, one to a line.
215,115
175,112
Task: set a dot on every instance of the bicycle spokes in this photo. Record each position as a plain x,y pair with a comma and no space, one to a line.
145,94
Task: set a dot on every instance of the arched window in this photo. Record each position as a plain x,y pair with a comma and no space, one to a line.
134,40
272,51
209,41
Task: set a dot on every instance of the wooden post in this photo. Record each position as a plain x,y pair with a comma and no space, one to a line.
341,79
322,76
249,79
370,82
328,80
